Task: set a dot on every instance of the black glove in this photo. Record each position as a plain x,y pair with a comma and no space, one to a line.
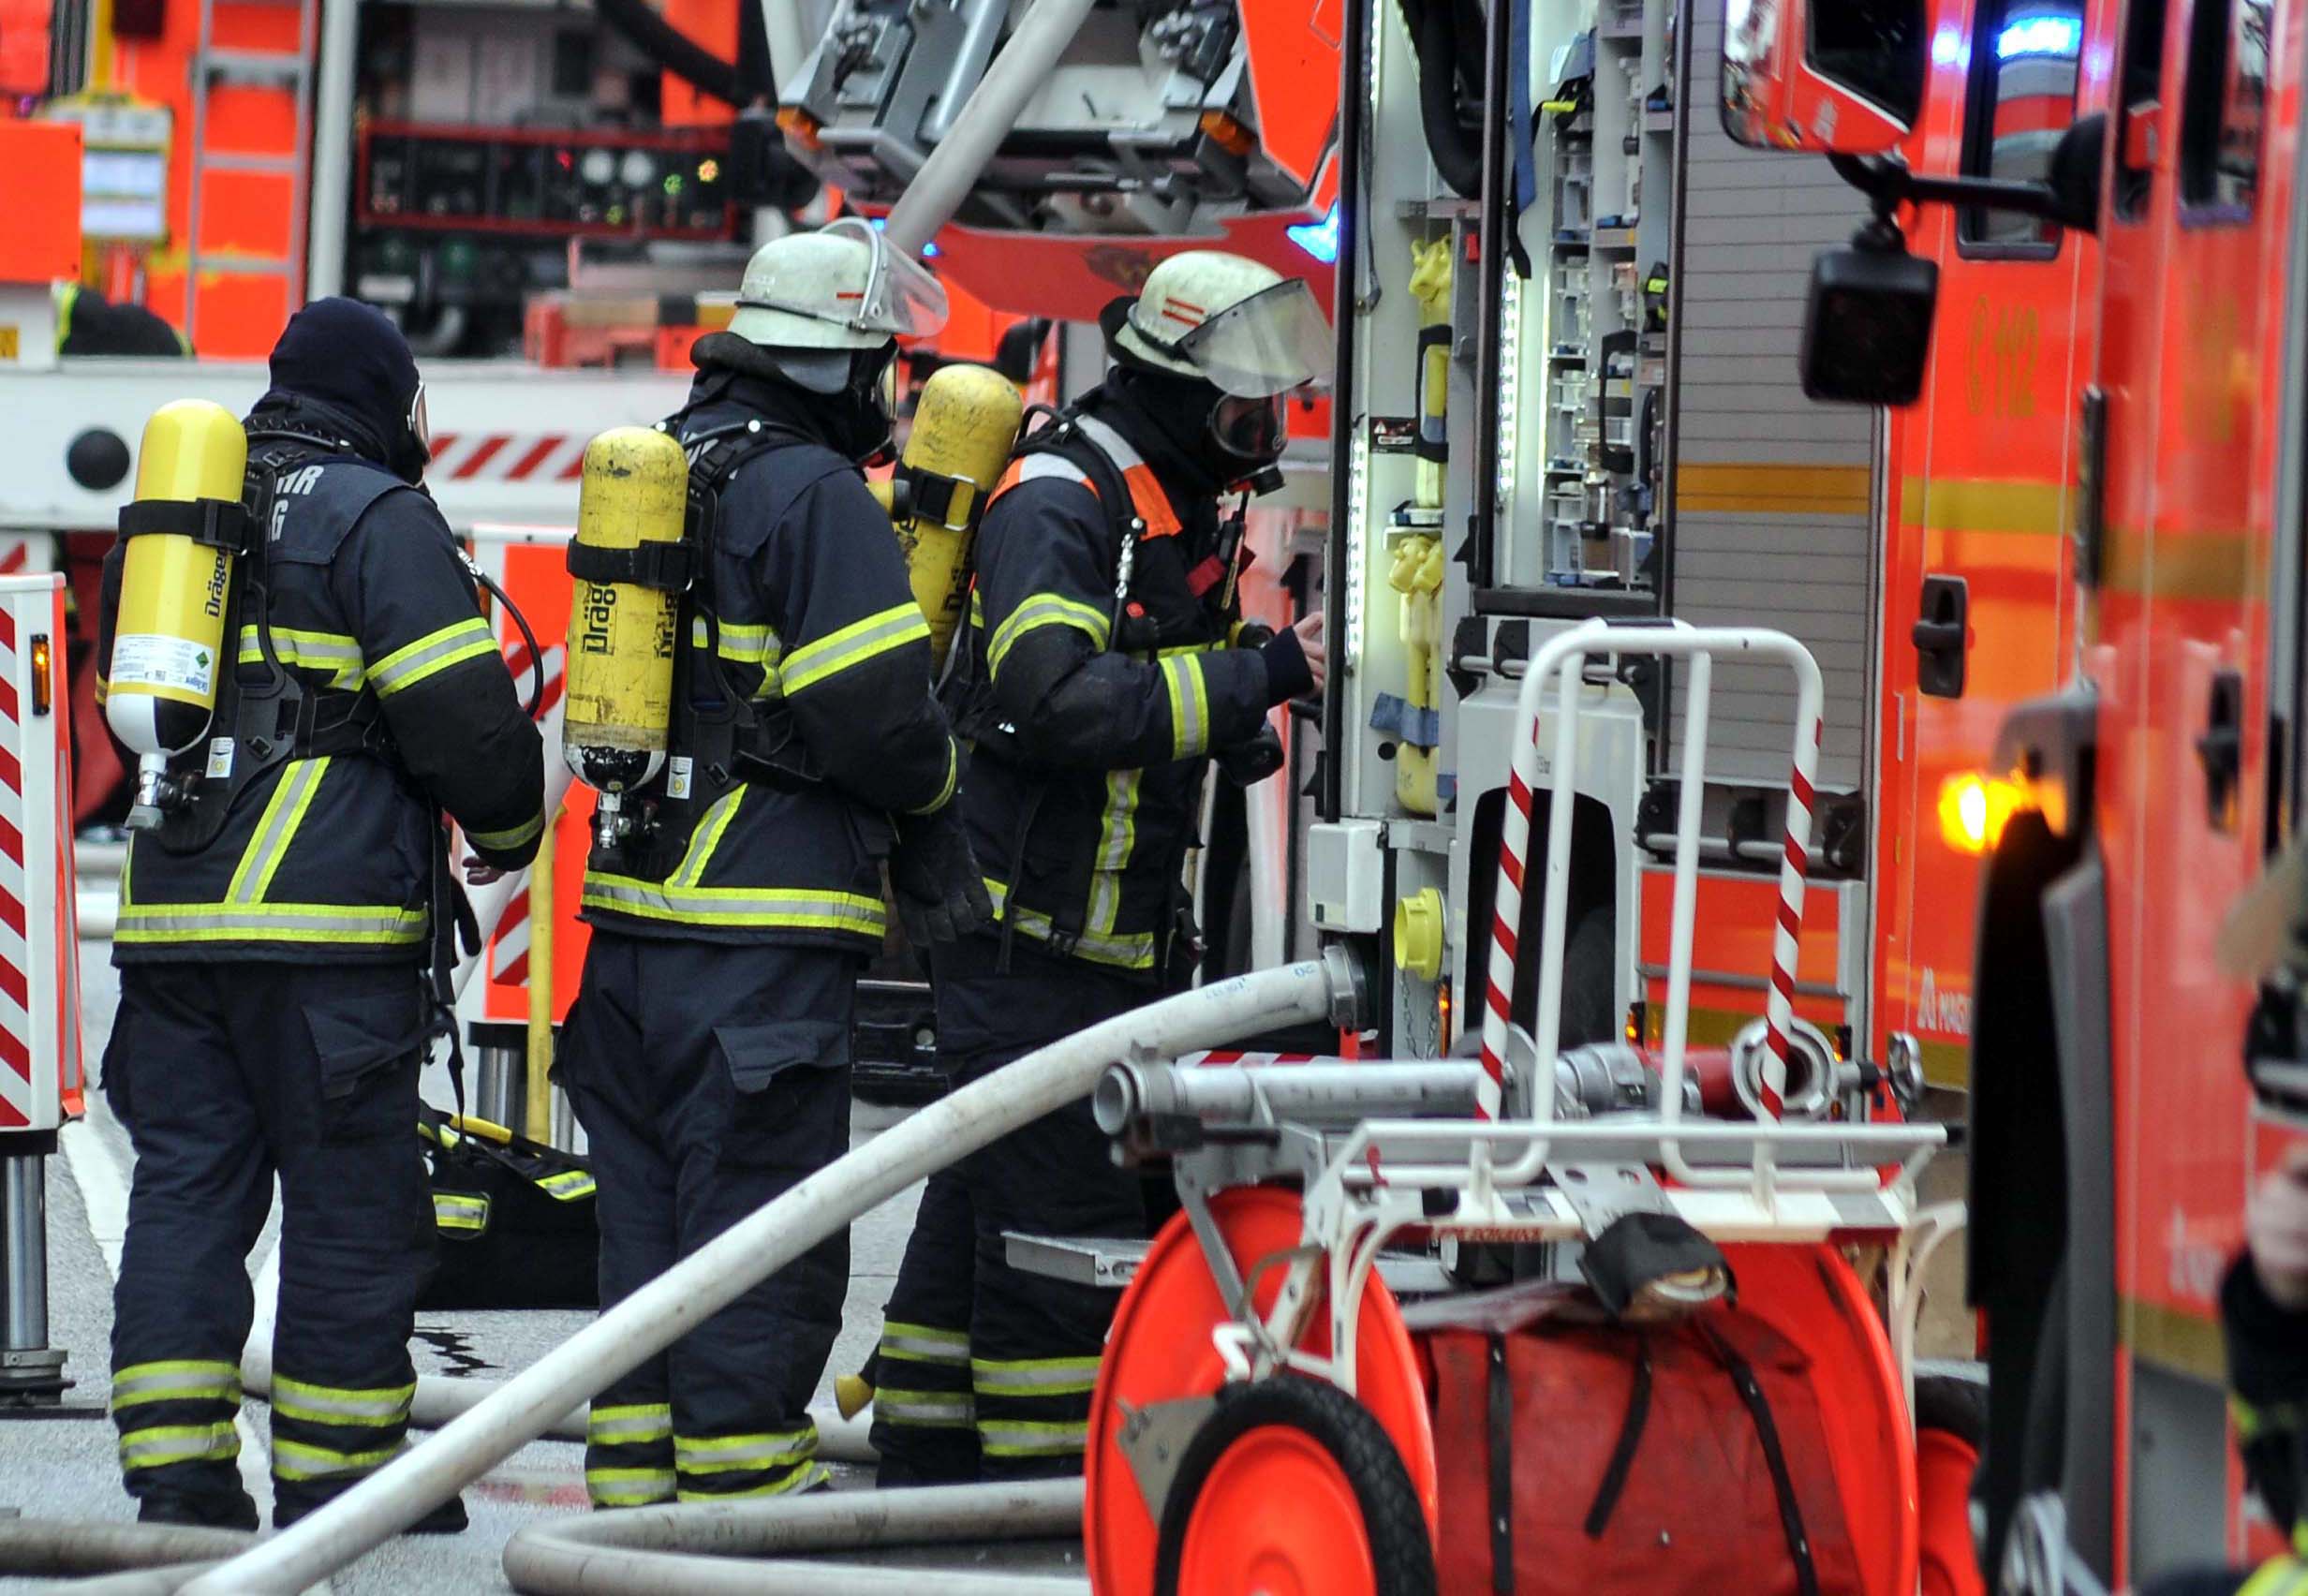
934,876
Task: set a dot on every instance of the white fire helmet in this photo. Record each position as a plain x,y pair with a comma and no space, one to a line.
1231,321
839,287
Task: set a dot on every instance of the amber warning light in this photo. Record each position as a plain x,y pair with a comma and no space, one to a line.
43,682
1973,809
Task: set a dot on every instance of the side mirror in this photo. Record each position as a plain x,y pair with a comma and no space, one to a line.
1829,77
1867,331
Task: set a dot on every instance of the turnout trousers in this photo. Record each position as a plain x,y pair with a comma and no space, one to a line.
711,1077
984,1371
226,1077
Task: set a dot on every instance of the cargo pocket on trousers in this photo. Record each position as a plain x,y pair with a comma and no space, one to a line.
777,1074
360,1041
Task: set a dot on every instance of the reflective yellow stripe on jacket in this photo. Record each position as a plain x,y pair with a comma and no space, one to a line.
1124,952
430,655
853,645
245,914
680,898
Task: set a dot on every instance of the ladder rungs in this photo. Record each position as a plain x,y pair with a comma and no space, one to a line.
238,265
282,166
253,66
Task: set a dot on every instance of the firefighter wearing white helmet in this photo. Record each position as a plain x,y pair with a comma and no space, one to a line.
1105,667
738,895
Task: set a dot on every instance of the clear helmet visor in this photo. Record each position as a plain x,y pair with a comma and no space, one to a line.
420,423
900,298
1251,427
1274,341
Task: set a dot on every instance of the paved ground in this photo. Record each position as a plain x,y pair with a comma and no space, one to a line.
63,1466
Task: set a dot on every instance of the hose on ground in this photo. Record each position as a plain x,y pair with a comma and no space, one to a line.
697,1551
710,1278
59,1548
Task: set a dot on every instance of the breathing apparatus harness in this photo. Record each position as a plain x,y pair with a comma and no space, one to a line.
265,715
719,738
1214,580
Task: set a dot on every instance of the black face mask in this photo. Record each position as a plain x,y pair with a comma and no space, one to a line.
857,419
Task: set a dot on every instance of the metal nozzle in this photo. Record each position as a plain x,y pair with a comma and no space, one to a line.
152,792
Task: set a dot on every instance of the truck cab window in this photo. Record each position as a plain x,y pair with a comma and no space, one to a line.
1873,48
2023,98
2225,101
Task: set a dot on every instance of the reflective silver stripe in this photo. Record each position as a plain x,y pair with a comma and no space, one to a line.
164,1444
802,1479
1037,1377
187,1379
299,1460
1110,444
1041,610
287,922
1005,1438
924,1344
568,1186
628,1487
724,1455
331,1405
853,644
738,906
505,841
1117,835
1125,953
309,651
1190,704
284,812
626,1426
926,1410
455,1211
431,655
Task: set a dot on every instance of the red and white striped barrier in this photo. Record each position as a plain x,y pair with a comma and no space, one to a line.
40,1066
506,457
1216,1056
1561,663
528,562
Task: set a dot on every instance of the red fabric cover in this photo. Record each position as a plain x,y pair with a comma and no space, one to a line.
1698,1512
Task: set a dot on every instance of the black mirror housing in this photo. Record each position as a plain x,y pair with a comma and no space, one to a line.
1867,330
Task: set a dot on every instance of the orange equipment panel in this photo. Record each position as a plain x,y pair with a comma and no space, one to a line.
42,242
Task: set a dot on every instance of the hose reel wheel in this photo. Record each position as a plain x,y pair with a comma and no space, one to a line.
1291,1486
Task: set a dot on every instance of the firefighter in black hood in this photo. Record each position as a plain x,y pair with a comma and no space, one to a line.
708,1053
275,927
1107,662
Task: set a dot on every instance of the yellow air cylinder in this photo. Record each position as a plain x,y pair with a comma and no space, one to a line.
168,632
620,711
964,427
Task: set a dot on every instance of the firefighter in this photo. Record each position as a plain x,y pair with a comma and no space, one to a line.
1106,663
278,907
2264,1312
708,1053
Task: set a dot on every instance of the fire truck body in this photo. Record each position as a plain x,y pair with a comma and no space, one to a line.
2129,1085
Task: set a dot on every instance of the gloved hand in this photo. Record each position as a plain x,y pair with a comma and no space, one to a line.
934,878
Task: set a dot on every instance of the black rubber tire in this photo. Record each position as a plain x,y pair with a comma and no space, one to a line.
1400,1552
1589,1002
1955,1405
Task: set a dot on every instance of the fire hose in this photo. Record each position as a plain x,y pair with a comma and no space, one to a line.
528,1405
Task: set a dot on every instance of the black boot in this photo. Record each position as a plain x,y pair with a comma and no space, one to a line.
234,1511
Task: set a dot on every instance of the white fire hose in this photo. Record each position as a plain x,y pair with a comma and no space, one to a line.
749,1548
526,1405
